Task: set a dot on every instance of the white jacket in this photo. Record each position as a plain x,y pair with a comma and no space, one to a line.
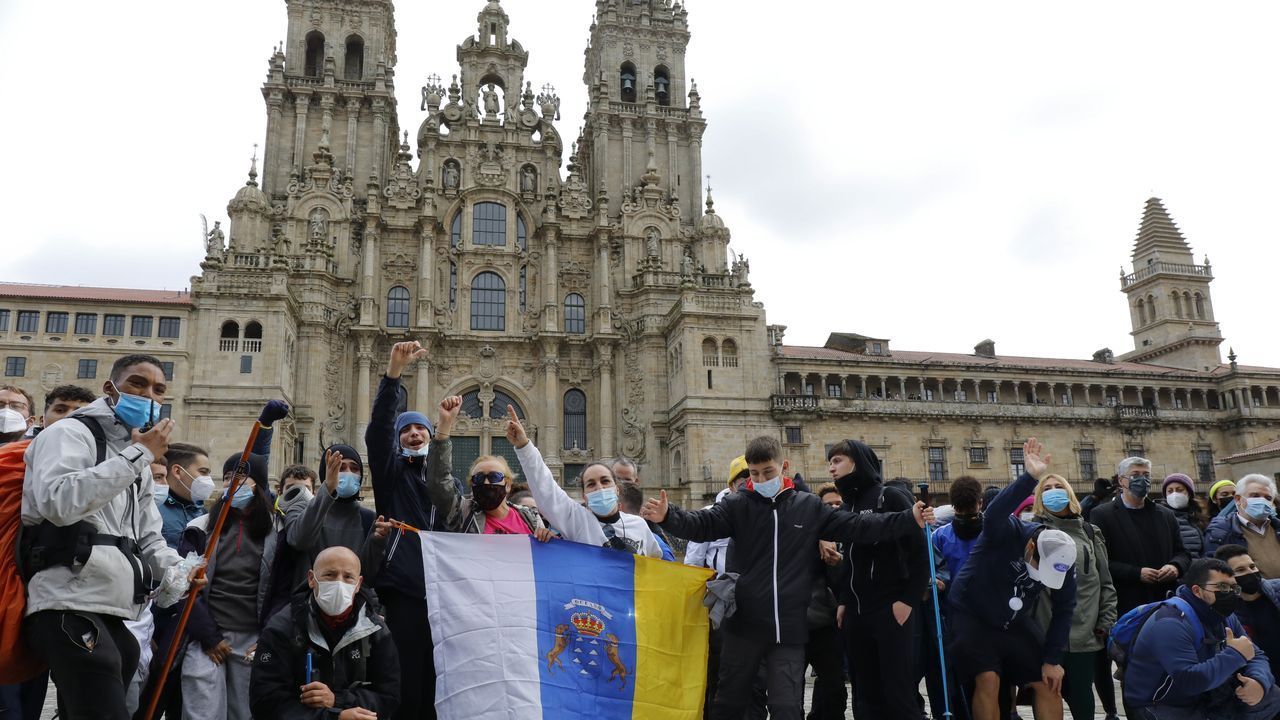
709,554
64,486
574,520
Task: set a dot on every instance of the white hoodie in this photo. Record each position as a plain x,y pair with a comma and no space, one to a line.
575,521
64,486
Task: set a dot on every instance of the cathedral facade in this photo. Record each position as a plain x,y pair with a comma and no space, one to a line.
600,300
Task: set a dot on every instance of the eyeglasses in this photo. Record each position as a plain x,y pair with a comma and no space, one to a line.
1140,476
490,478
14,405
1224,589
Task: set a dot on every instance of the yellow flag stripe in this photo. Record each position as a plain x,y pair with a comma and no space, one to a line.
671,640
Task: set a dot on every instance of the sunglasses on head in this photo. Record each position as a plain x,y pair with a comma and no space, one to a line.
489,478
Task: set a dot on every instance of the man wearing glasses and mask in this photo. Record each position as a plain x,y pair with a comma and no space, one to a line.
1188,668
1143,539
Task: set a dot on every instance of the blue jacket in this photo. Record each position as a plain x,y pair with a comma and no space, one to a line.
952,550
174,516
1227,530
997,571
1167,668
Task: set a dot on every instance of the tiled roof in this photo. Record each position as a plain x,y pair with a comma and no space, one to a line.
800,352
80,292
1271,447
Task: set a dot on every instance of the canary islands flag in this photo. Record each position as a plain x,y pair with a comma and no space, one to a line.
561,630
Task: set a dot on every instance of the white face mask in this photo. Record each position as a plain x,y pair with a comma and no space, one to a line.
1178,501
201,487
334,596
1027,516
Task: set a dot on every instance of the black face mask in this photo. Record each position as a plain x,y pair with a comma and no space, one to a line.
488,497
967,528
1250,584
1226,605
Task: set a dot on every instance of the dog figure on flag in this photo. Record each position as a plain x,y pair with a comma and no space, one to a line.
619,669
562,642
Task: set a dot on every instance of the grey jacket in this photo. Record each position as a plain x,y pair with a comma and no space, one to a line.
323,522
474,520
64,486
1096,607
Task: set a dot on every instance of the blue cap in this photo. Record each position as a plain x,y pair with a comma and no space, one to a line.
413,417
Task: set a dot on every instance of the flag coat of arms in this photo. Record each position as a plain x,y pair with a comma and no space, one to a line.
562,630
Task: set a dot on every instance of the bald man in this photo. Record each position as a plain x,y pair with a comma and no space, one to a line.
347,663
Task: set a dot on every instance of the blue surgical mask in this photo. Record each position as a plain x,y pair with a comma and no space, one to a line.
242,497
419,453
1259,508
603,501
1055,499
348,484
135,410
767,488
161,493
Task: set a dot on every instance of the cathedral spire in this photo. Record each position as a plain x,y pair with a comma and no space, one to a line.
1158,236
253,168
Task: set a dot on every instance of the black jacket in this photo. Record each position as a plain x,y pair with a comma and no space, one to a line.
775,543
401,491
890,570
1124,544
364,672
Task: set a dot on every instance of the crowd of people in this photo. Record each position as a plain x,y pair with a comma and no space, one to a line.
313,605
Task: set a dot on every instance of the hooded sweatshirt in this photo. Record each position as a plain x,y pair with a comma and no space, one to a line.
1095,593
329,520
890,570
64,485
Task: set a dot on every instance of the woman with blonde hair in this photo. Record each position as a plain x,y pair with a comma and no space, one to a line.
489,510
1056,506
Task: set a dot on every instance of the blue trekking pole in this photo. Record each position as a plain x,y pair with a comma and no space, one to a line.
937,621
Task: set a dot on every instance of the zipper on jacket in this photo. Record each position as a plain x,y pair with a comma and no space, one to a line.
777,623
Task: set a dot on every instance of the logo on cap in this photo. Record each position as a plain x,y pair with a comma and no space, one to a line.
1061,567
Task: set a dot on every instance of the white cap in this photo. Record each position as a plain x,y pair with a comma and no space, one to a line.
944,514
1057,554
11,421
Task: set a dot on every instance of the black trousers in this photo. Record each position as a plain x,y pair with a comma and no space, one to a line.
826,656
882,654
756,709
407,621
92,659
740,659
1104,683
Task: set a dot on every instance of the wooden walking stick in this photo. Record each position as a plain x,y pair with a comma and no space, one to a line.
241,471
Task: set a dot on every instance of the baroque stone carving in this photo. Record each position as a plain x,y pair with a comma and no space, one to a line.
399,268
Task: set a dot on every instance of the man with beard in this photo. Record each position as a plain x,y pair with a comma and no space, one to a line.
881,593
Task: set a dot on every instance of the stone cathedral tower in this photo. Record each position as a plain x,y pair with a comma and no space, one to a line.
1169,301
598,300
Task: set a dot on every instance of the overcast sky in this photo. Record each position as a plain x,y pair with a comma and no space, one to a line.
931,172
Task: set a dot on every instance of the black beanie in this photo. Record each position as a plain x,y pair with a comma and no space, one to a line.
347,452
257,468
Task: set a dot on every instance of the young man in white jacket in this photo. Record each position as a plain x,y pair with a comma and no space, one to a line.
599,522
92,538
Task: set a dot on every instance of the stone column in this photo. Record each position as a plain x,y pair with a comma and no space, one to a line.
1264,395
606,400
603,321
301,103
549,436
378,161
426,266
550,281
862,384
364,359
272,178
628,178
367,280
902,387
353,116
695,169
884,388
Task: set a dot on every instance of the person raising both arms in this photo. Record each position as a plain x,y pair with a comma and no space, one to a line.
600,522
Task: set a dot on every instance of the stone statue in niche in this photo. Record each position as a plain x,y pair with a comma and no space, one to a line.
490,100
451,175
528,179
319,220
652,247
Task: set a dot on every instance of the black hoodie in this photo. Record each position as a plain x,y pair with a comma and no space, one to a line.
889,571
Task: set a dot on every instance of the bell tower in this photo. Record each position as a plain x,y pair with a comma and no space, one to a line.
643,111
330,92
1169,303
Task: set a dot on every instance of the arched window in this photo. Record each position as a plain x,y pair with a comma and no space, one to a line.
729,353
524,286
489,224
455,230
253,330
1151,307
522,233
575,314
230,329
228,338
453,285
1142,312
471,405
677,467
575,420
488,302
1177,304
628,82
498,408
710,353
315,53
662,85
353,64
398,307
1200,307
1187,307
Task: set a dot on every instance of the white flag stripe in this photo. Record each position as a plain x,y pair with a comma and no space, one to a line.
481,598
